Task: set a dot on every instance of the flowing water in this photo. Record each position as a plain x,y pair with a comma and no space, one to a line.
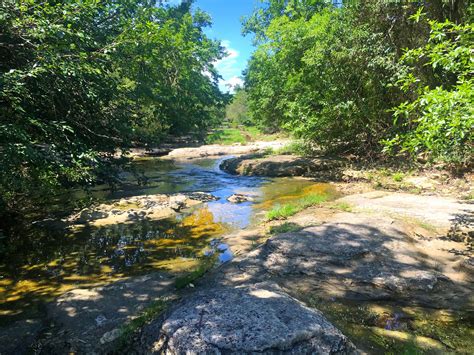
39,263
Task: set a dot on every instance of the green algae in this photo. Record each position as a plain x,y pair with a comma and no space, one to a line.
94,256
394,329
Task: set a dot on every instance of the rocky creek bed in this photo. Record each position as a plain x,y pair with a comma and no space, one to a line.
373,271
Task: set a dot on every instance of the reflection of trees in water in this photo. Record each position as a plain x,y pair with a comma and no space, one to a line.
46,263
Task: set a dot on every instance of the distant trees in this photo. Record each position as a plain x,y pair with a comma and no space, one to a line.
81,79
237,111
339,77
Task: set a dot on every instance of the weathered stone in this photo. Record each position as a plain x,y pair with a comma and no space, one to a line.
433,210
365,258
136,208
258,318
219,150
279,166
111,336
239,198
177,202
88,321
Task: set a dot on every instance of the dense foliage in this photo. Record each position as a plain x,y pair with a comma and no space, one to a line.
440,119
80,80
340,77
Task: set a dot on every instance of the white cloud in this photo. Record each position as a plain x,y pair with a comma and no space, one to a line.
229,68
231,84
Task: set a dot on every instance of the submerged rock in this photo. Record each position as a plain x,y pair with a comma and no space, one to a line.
258,318
136,208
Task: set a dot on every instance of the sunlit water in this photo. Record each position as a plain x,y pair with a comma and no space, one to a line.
40,263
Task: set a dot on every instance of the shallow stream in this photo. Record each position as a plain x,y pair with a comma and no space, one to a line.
39,263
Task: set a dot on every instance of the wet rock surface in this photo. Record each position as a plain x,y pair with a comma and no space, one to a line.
259,318
280,166
136,208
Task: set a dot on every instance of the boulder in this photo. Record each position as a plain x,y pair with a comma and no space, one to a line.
279,166
239,198
258,318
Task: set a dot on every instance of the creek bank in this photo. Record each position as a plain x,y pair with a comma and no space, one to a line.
132,209
342,170
367,257
216,150
281,166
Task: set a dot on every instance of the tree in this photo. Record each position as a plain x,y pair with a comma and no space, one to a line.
329,75
237,110
439,120
81,80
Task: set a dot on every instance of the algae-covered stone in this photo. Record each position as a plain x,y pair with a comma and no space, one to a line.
258,318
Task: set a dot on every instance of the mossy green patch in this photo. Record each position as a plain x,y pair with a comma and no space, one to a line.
286,227
389,329
342,206
290,209
128,330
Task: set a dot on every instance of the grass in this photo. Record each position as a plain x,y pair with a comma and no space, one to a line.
290,209
286,227
294,148
468,197
342,206
398,176
241,134
227,136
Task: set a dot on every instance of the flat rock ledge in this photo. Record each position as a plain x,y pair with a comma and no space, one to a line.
136,208
259,318
215,150
280,166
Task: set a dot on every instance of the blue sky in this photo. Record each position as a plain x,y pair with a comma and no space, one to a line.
226,15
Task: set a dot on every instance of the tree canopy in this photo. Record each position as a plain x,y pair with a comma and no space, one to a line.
367,77
80,80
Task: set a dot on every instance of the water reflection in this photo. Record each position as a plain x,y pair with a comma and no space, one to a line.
51,263
39,263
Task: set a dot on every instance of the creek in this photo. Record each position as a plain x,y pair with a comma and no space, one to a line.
41,261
